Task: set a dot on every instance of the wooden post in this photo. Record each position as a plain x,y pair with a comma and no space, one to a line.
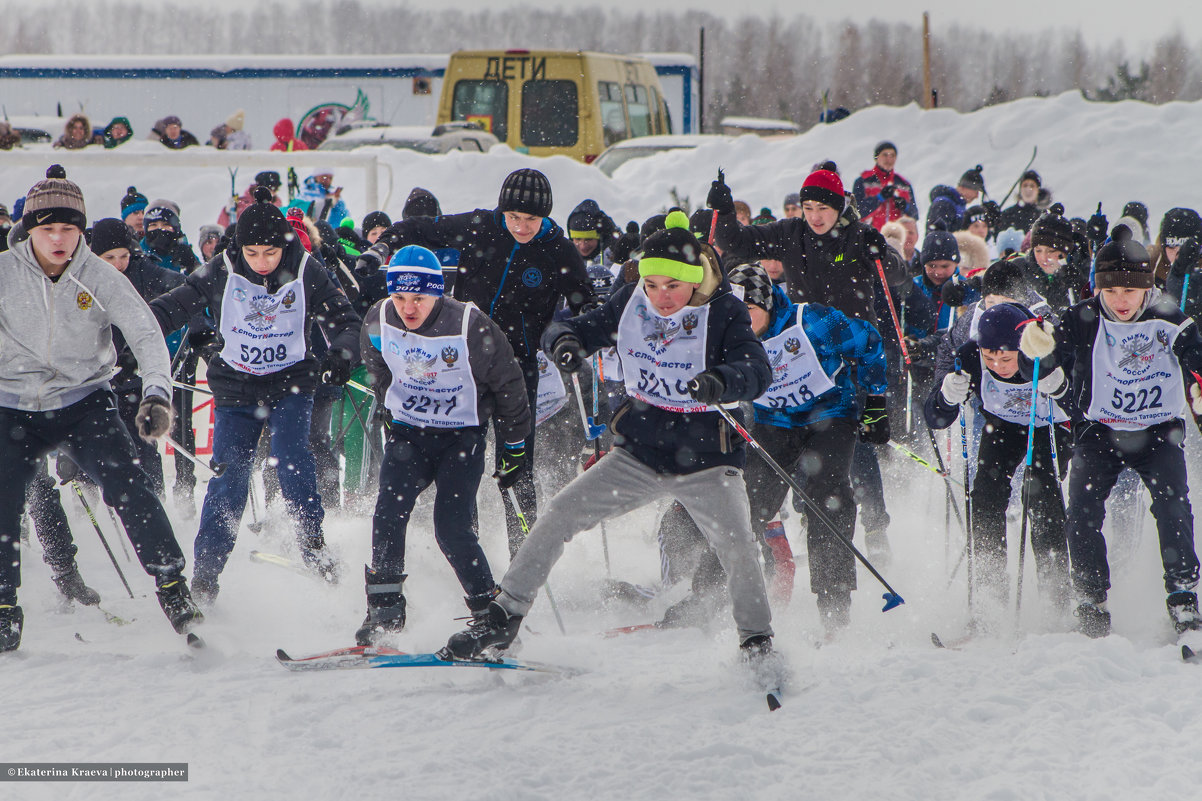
700,82
926,60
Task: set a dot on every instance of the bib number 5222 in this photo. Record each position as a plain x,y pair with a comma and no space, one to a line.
1132,402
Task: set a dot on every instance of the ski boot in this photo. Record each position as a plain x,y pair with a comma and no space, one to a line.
756,647
496,629
317,557
70,583
1183,610
177,603
385,607
1092,619
12,618
478,604
204,590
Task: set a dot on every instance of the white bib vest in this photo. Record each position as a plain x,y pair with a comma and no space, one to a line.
660,355
432,383
1012,402
552,394
797,374
263,332
1136,376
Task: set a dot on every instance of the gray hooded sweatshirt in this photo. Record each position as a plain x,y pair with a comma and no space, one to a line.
56,340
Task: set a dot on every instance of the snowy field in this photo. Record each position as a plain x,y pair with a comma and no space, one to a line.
1036,713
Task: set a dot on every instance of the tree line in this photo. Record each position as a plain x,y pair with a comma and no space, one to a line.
778,67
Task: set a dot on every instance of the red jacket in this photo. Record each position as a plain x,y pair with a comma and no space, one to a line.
875,210
285,139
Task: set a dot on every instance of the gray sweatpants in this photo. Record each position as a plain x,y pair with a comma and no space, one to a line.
715,498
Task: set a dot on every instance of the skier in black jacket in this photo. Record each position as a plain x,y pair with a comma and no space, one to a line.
515,264
265,297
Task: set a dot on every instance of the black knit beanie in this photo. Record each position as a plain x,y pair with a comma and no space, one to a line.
1053,231
110,234
262,223
526,191
374,220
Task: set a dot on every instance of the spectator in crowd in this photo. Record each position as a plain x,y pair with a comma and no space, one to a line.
229,135
133,209
792,204
77,134
174,136
881,194
117,132
8,137
285,137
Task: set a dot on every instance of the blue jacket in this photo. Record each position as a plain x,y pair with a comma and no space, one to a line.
673,442
841,344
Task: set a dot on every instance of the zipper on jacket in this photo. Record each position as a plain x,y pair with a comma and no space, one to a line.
504,275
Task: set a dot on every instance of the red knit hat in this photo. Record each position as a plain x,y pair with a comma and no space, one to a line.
824,186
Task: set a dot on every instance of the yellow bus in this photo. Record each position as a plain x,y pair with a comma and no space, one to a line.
548,102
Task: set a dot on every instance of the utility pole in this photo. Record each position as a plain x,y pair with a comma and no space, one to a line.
927,96
700,82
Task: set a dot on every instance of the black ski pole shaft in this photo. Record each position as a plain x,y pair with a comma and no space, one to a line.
192,387
597,451
87,508
216,468
513,499
968,543
1022,541
1034,151
892,599
118,528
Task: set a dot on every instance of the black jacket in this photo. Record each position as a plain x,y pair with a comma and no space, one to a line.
150,280
837,269
672,442
518,286
324,305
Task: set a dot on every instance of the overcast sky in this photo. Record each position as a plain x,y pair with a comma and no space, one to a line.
1101,21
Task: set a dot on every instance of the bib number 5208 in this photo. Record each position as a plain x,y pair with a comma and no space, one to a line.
269,355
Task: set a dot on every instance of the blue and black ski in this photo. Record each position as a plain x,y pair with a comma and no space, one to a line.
380,657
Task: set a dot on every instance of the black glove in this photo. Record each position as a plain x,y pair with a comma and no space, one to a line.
993,214
1097,227
627,243
1188,256
719,198
371,260
888,191
128,365
874,422
512,465
953,292
875,243
335,367
707,387
568,354
66,469
208,343
154,418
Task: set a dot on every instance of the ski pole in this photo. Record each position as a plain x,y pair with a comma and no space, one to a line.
1022,540
1185,291
591,430
87,508
597,452
118,528
1034,152
903,450
254,524
513,498
968,543
891,597
192,387
217,468
714,216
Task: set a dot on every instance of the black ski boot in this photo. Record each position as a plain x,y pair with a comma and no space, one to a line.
478,604
1092,619
385,606
756,647
317,557
1183,609
204,591
70,583
12,618
496,628
177,604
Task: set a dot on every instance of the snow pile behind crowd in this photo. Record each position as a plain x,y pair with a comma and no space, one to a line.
879,713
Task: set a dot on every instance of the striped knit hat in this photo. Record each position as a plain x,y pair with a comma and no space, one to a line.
414,269
526,191
757,286
54,200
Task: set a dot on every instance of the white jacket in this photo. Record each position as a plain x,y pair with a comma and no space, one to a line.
56,340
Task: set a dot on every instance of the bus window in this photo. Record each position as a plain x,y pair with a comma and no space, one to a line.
550,114
485,102
613,117
640,112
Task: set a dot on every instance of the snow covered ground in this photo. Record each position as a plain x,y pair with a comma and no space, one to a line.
658,715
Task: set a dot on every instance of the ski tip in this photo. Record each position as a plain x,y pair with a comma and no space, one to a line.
1188,654
194,641
892,600
774,702
935,641
282,655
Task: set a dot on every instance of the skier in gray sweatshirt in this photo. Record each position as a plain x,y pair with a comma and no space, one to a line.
58,303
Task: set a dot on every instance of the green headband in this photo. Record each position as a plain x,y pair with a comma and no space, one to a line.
681,271
583,235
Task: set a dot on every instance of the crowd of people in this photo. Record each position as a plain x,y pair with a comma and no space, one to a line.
840,333
230,134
